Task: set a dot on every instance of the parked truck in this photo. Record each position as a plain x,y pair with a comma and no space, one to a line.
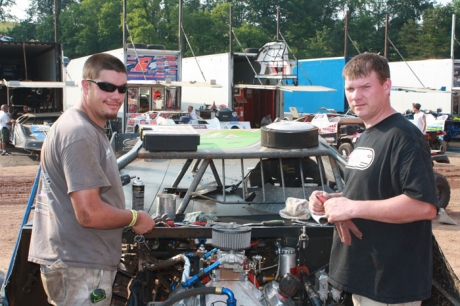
31,74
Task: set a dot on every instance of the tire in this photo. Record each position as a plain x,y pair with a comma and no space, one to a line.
442,190
345,149
136,46
156,47
442,146
289,135
439,145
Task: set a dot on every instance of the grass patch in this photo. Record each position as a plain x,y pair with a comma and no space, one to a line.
6,26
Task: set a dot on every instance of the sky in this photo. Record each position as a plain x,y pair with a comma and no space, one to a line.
21,6
19,10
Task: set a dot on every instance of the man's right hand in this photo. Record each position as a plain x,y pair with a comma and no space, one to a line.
144,223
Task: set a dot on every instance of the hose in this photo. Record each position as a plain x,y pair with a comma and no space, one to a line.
315,301
231,301
171,262
278,245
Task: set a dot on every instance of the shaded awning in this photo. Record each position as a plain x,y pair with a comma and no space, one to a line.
419,89
211,84
300,88
29,84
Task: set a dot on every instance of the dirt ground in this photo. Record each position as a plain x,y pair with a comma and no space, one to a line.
17,174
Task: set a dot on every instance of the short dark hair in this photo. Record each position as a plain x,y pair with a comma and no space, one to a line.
416,105
102,61
363,64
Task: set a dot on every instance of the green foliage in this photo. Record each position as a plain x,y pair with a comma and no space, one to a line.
5,6
312,28
5,27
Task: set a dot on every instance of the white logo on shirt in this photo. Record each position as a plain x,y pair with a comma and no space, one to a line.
361,158
109,153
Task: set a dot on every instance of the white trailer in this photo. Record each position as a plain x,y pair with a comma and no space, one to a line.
214,67
428,82
154,77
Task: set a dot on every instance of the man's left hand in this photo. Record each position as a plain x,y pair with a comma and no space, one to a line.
344,228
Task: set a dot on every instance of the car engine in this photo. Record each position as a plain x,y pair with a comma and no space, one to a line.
238,265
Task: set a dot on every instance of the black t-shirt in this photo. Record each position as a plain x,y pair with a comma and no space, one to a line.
393,262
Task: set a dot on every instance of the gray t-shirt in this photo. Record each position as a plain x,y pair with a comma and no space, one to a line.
76,155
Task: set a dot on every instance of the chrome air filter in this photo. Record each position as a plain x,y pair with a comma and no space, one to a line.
289,135
231,236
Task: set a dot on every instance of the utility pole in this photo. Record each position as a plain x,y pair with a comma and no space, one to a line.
385,47
345,38
56,21
278,23
181,4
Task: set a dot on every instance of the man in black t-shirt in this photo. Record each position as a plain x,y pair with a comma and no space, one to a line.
381,250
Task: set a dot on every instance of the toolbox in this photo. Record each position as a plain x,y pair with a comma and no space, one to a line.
180,137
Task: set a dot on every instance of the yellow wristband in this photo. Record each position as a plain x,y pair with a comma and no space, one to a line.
134,220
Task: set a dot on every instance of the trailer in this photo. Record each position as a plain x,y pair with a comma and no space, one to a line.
428,82
254,82
154,76
31,74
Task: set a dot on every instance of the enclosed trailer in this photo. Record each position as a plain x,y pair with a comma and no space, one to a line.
254,82
154,77
31,74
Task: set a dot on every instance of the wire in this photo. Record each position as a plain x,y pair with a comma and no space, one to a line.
191,49
293,55
135,50
396,49
247,58
353,43
160,184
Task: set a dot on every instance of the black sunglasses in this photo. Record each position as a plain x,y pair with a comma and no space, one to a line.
109,87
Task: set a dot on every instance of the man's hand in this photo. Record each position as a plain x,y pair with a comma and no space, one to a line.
338,209
333,209
344,228
315,206
144,223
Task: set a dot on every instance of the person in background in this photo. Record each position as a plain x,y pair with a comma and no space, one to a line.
80,211
192,113
419,117
156,94
383,216
25,110
439,111
5,126
266,120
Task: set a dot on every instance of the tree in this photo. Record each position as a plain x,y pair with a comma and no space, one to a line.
5,5
312,28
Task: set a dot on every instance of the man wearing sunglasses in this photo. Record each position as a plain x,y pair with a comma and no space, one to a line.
80,208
